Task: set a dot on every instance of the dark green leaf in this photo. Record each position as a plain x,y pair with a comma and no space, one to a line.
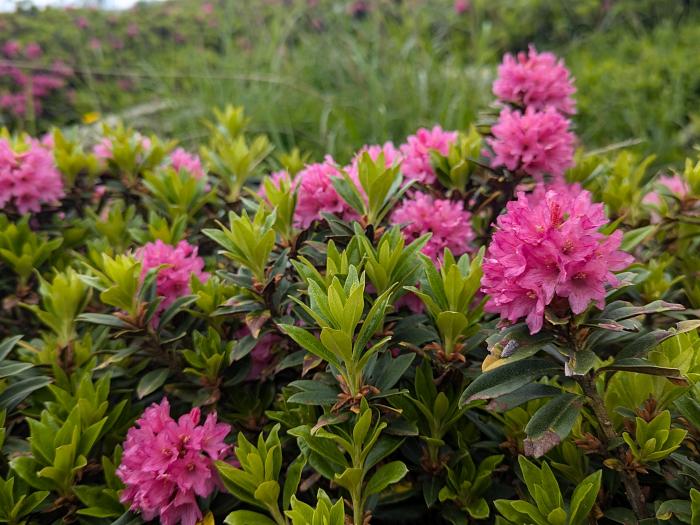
7,345
384,476
507,378
551,424
17,392
151,382
642,366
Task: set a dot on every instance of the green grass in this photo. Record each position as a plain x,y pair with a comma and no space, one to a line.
329,82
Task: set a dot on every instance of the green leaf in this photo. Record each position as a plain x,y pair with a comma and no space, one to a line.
551,424
13,368
690,409
247,517
643,366
674,507
292,480
17,392
507,378
309,343
104,319
7,345
521,396
151,382
350,478
384,476
268,492
581,362
583,498
313,393
172,310
633,238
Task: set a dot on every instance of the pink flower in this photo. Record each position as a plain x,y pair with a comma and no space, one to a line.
536,142
461,6
447,221
317,195
416,163
11,48
82,23
179,264
412,302
103,149
183,160
28,177
33,51
535,80
132,31
548,251
261,356
675,184
167,463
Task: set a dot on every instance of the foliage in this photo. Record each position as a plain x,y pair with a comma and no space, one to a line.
364,381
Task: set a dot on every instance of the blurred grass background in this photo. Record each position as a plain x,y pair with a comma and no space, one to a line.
331,75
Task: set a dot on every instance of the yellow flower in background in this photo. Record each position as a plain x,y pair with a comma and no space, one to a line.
91,117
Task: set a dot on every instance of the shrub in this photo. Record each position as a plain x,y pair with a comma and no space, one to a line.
255,338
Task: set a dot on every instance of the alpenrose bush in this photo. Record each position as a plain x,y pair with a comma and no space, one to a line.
473,326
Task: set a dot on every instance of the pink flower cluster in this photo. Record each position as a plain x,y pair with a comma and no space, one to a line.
28,177
447,221
416,163
548,251
179,264
537,143
536,80
181,159
23,86
167,464
316,194
675,184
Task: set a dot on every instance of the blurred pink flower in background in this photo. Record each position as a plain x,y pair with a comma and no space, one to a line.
33,51
181,159
28,177
461,6
675,184
11,48
416,163
537,80
261,356
82,23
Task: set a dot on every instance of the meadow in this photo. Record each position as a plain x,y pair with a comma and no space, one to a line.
324,262
329,76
